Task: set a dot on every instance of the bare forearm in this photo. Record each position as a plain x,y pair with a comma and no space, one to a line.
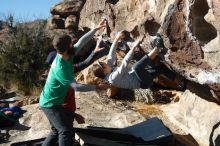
152,54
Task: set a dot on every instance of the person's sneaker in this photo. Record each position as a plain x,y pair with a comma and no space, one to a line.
159,43
163,51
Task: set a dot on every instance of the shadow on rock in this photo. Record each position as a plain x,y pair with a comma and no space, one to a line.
18,126
9,95
216,142
202,91
185,140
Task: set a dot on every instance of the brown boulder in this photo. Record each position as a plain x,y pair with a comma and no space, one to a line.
197,117
66,8
55,22
191,40
71,21
189,28
124,15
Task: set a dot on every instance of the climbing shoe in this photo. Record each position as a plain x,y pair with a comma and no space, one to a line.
159,43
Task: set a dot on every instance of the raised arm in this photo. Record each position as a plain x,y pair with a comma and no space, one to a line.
88,36
82,65
121,70
84,39
112,52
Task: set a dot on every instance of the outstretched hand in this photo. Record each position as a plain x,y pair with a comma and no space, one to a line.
97,49
98,42
120,35
137,42
101,24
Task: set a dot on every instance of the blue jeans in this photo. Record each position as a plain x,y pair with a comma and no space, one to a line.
61,121
146,71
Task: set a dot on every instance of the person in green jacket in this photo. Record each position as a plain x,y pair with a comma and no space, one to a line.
60,78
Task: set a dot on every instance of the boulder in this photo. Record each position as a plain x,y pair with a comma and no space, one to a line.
189,28
87,76
197,117
55,22
192,35
104,112
66,8
123,15
71,21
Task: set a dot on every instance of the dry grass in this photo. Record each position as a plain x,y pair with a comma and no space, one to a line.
147,110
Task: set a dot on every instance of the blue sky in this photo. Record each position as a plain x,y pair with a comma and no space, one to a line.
26,9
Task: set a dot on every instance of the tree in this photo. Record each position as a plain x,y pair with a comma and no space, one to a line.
22,57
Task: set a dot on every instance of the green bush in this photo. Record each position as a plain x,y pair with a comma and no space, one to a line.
23,56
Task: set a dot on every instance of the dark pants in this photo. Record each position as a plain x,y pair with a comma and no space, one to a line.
146,75
61,121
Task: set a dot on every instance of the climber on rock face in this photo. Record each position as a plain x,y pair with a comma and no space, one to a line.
142,73
60,78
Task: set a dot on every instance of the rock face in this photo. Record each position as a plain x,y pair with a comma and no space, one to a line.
55,22
121,15
192,35
64,9
197,117
104,112
190,29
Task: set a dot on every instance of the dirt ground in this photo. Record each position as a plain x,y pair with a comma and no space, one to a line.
98,110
